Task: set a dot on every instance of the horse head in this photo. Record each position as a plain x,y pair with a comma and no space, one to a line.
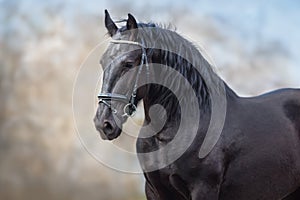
123,64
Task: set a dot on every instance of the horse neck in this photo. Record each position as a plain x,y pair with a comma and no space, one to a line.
163,96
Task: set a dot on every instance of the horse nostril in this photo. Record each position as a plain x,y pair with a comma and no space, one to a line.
107,127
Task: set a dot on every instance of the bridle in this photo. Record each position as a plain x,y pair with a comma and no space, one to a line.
130,106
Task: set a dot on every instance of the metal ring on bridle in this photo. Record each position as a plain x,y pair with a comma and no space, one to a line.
129,110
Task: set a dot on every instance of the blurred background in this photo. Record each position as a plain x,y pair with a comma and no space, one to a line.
254,45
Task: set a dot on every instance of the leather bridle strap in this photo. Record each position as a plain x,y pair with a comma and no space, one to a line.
116,97
130,107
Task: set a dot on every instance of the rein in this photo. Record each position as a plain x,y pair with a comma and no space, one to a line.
130,106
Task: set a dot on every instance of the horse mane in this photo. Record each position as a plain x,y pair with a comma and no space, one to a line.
185,58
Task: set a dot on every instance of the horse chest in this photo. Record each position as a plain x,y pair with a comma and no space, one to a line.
169,183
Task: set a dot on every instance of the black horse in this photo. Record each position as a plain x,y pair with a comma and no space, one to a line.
253,153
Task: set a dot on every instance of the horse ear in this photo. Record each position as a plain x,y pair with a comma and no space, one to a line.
131,22
110,25
131,25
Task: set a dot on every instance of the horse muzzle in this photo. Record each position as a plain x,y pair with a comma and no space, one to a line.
107,127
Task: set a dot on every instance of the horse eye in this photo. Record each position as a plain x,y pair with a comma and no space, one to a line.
129,65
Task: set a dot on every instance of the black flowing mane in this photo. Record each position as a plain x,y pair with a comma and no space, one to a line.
185,58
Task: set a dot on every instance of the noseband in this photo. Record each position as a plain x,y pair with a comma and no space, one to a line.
130,107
